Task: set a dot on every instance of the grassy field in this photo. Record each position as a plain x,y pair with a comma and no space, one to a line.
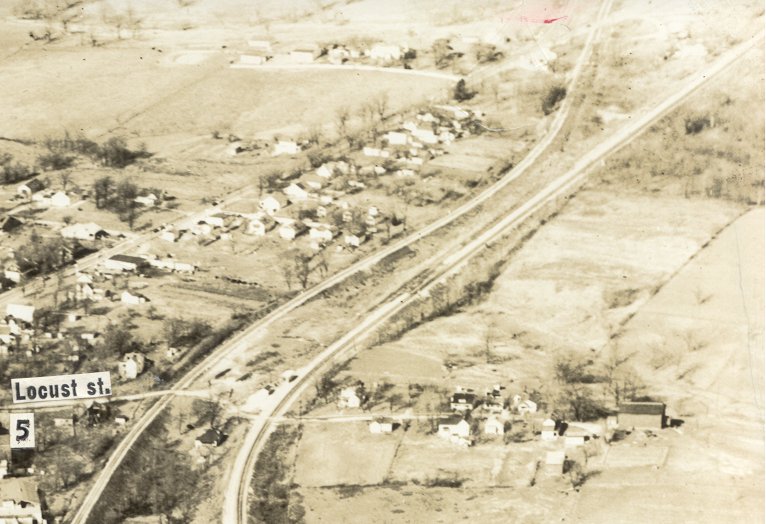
343,453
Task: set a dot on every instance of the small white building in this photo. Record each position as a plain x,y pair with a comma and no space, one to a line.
549,432
132,300
324,171
60,199
149,200
395,138
272,204
320,234
386,52
296,192
131,365
349,398
286,147
381,425
20,312
494,426
252,59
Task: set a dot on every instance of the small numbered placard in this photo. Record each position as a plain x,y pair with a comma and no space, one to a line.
22,430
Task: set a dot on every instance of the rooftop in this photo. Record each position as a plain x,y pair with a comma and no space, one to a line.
642,408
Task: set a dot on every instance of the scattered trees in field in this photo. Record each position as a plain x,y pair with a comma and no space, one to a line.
12,172
41,255
182,332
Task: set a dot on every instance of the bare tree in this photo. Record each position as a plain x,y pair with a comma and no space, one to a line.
381,105
65,177
342,117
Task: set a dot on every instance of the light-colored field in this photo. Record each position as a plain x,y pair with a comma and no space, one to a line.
570,286
424,458
333,454
415,504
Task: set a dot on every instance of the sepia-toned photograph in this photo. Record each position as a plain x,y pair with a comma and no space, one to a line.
382,261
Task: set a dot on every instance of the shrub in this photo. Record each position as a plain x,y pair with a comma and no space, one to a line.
555,95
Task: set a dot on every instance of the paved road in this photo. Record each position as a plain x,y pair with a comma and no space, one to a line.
236,497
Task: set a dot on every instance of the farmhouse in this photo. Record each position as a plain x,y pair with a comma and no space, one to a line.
123,263
19,501
86,231
395,138
462,400
641,415
455,429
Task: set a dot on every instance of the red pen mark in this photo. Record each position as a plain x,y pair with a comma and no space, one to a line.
551,20
541,20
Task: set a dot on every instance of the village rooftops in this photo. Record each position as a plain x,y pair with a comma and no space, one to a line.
642,408
450,420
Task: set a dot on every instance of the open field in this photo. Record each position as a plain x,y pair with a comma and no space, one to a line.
335,454
610,254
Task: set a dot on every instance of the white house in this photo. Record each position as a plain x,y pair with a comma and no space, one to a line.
494,426
425,135
304,54
324,171
87,231
20,312
385,52
60,199
131,366
296,193
289,231
255,227
321,234
286,147
149,200
14,275
396,138
348,398
454,111
132,300
353,240
549,432
381,425
455,429
252,59
272,204
526,406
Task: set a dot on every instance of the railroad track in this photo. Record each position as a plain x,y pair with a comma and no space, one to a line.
236,498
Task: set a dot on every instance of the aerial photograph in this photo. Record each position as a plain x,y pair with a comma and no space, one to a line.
382,261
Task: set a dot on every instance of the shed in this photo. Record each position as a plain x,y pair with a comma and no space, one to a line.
641,415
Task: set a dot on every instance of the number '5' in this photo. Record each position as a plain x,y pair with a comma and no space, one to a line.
22,428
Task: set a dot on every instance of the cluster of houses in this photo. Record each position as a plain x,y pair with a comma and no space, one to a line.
261,52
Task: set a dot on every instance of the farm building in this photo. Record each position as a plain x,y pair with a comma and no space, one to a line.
494,426
455,429
123,263
462,400
641,415
86,231
27,189
131,366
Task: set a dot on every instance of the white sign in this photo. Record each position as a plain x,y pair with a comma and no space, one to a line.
22,430
61,387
